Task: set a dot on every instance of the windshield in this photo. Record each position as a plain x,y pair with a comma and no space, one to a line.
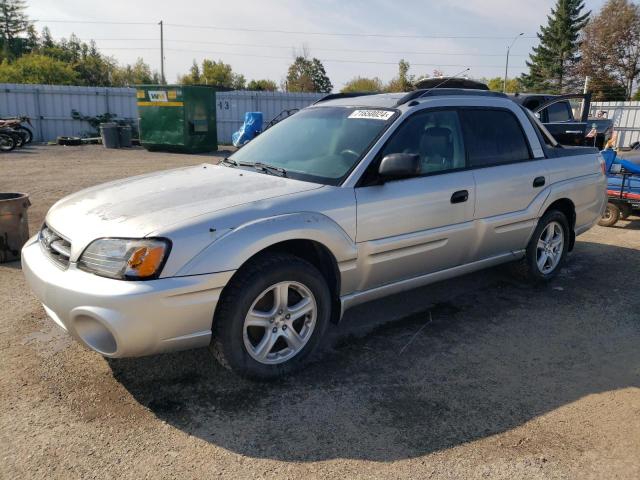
319,144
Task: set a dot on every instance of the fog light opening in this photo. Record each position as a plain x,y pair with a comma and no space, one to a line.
95,335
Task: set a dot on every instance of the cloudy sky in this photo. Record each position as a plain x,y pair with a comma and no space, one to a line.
352,37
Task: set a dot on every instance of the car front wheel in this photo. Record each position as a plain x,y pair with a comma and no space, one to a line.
271,317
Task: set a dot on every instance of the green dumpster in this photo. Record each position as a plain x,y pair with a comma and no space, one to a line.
177,118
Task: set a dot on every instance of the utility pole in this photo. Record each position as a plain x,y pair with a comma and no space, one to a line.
586,84
506,67
162,79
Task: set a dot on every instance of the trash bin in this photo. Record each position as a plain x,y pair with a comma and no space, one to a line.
177,118
14,227
124,135
109,134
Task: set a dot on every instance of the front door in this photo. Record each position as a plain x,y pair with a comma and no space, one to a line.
412,227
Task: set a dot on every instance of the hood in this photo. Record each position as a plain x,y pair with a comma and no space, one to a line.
137,206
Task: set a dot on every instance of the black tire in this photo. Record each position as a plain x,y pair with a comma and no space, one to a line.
228,344
611,215
7,143
625,210
27,133
529,266
69,141
17,138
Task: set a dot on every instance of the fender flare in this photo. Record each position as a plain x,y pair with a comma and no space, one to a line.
235,246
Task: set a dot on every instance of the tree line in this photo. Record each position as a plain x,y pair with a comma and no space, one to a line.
573,44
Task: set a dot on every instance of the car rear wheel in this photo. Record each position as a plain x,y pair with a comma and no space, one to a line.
271,317
611,216
548,247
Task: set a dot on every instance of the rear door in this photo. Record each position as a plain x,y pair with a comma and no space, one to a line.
559,120
508,179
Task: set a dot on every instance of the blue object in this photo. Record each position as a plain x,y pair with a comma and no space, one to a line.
615,180
251,127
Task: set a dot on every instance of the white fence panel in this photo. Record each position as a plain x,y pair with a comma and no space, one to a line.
626,119
50,107
231,107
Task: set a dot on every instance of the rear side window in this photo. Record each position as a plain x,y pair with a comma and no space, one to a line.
493,137
558,112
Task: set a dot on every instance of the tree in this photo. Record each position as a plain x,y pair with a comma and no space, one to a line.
262,85
214,73
306,75
35,68
363,84
513,84
553,59
610,50
13,22
136,74
403,82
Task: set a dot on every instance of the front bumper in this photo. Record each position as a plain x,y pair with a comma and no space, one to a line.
120,318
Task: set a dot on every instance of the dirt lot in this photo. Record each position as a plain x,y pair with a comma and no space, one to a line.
478,377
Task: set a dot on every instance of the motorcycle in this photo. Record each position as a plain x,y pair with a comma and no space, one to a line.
16,123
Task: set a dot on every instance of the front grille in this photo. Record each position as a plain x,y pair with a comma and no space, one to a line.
57,248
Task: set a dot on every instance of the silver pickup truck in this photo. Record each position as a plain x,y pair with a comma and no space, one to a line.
348,200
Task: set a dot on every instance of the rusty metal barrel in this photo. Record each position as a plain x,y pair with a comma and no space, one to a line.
14,226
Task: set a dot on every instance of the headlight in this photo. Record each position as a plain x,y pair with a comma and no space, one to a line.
124,258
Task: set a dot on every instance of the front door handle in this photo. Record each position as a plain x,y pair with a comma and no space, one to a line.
538,182
460,196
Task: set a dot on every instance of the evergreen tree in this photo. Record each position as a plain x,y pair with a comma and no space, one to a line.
553,59
13,22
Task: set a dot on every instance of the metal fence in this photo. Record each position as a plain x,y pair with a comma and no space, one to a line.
50,107
626,119
231,107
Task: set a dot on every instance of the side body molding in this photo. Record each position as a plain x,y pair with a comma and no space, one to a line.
235,246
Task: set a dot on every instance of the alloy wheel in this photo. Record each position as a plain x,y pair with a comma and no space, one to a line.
280,322
550,248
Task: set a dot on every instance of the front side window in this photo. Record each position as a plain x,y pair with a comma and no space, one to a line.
493,137
318,144
435,136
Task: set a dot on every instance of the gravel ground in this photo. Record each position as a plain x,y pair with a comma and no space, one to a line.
481,376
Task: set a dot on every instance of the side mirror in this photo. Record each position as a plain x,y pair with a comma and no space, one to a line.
400,165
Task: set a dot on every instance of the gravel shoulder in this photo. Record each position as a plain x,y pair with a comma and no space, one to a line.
481,376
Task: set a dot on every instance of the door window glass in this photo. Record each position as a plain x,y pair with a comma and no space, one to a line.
558,112
493,137
436,136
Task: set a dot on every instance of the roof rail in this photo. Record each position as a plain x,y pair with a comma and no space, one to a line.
334,96
432,92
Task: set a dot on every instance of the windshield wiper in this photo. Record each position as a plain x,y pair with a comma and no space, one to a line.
230,161
265,167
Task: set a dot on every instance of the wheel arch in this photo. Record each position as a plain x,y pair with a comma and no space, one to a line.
568,208
317,255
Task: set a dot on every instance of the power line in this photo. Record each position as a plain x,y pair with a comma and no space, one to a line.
342,34
329,60
98,22
255,45
293,32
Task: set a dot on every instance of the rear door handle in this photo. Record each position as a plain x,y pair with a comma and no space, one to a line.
538,182
460,196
